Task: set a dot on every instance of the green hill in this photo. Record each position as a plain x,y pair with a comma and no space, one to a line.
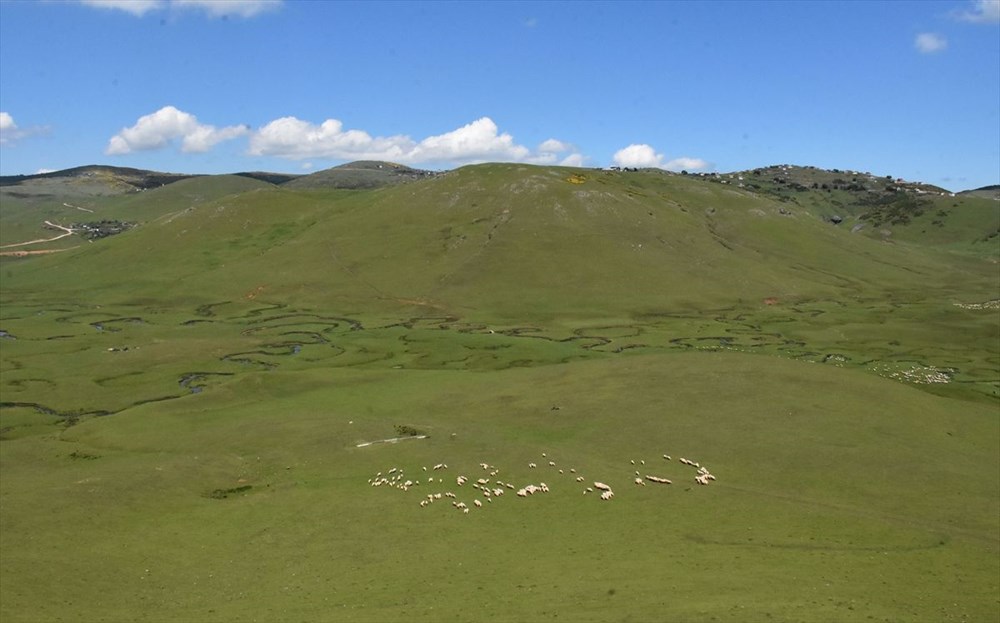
363,174
226,398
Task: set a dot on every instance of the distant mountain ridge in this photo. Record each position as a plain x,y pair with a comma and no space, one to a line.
375,174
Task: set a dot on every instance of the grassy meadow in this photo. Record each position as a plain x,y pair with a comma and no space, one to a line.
193,413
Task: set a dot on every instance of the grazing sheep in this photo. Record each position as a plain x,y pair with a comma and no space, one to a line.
465,510
666,456
579,478
552,463
640,481
607,495
601,486
477,503
658,479
532,465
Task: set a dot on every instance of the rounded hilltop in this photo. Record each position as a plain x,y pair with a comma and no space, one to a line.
362,174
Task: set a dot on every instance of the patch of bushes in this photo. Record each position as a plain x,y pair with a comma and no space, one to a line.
404,430
221,494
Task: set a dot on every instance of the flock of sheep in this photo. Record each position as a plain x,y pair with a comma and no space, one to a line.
489,487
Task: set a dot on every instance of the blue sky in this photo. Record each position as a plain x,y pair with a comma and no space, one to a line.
909,89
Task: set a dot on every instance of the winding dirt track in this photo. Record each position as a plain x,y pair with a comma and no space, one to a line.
67,231
27,253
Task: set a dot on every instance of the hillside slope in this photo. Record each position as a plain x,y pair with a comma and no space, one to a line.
501,238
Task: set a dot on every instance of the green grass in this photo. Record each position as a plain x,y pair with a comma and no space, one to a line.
181,407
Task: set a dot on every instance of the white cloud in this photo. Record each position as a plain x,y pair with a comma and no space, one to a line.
43,171
479,141
687,164
574,160
980,12
214,8
643,156
295,139
7,122
929,43
637,155
476,141
224,8
158,129
135,7
10,132
553,146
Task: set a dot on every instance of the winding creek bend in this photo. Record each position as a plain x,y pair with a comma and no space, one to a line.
319,339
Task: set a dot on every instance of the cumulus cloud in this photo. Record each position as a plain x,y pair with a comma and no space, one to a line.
642,156
213,8
930,43
6,123
980,12
638,155
224,8
11,133
289,137
574,160
158,129
478,141
686,164
135,7
553,146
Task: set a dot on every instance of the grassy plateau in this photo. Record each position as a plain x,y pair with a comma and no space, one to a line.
251,401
